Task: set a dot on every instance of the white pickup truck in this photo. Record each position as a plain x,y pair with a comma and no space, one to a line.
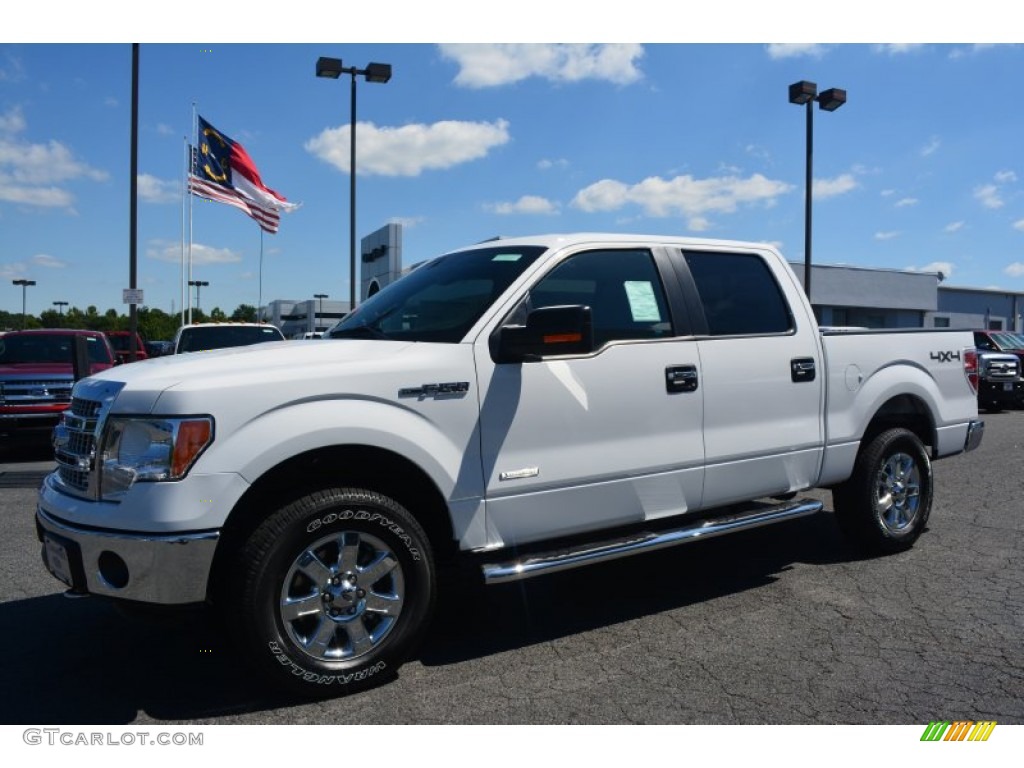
524,405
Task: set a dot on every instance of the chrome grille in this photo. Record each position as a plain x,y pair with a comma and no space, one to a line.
18,391
74,443
76,440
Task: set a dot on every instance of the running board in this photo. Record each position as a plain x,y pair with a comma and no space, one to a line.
598,552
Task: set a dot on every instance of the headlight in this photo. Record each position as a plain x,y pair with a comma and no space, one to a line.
142,449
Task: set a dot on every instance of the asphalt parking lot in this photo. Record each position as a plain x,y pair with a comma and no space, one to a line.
781,625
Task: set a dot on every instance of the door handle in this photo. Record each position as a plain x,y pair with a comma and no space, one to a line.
681,378
802,369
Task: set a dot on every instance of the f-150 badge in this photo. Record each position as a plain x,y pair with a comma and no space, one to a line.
436,390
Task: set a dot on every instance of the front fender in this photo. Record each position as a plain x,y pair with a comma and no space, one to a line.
439,437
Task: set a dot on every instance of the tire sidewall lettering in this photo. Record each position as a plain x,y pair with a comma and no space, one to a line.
319,678
317,523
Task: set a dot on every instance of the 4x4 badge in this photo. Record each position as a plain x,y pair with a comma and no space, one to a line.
945,357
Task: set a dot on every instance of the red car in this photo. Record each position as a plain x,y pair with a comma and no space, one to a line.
37,373
121,341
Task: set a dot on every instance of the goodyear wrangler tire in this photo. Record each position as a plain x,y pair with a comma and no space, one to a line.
885,504
334,591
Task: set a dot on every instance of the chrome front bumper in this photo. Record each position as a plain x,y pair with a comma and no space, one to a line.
170,569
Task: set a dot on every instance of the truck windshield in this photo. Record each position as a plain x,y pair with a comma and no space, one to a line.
47,348
441,299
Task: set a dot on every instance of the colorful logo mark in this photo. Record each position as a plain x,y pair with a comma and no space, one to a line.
958,730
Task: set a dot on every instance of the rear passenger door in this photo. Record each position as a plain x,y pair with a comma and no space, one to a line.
762,376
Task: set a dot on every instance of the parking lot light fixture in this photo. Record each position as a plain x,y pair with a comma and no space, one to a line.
198,284
60,307
806,92
24,287
375,72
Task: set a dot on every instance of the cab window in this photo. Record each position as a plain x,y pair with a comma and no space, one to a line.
621,287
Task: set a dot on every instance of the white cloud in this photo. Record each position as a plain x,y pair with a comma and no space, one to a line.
487,65
50,262
12,122
407,221
546,164
698,224
825,188
886,235
166,250
1016,269
944,267
963,51
1019,224
931,147
988,196
154,190
30,173
410,149
894,49
795,50
42,197
163,129
682,195
16,270
528,204
906,202
954,226
1005,177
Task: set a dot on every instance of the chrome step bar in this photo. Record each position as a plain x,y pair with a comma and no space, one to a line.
598,552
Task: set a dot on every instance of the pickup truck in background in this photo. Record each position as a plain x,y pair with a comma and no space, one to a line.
999,381
36,376
523,406
121,341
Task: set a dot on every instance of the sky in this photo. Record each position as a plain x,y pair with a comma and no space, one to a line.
657,132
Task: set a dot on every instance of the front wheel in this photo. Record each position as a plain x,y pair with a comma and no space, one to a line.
885,504
333,591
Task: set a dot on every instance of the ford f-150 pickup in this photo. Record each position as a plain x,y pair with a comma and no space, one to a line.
36,376
525,406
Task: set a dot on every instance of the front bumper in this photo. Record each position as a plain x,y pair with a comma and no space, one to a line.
169,569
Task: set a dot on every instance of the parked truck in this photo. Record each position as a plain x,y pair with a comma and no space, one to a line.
36,375
520,406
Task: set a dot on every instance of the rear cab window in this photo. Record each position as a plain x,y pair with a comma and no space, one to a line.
739,294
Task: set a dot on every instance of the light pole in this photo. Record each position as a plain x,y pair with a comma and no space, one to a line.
198,284
24,287
374,73
320,297
805,92
60,307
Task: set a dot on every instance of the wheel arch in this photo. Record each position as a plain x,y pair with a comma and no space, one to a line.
907,411
356,466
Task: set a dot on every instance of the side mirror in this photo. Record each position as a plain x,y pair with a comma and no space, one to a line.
549,331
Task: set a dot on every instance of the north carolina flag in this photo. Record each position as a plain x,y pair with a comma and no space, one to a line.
222,170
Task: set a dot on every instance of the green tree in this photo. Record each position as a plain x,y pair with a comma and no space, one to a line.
244,313
217,315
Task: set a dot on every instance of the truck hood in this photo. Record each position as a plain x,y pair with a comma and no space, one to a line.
286,368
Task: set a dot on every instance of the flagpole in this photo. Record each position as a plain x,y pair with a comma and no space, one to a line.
195,142
259,300
184,195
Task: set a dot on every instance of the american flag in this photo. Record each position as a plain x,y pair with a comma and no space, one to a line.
221,170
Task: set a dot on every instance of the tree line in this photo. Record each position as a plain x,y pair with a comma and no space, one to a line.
154,324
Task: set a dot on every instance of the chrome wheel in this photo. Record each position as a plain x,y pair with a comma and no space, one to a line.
898,493
342,596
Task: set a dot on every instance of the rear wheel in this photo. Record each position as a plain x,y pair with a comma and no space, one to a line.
885,504
333,591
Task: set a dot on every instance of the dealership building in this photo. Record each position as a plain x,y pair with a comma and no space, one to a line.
841,295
